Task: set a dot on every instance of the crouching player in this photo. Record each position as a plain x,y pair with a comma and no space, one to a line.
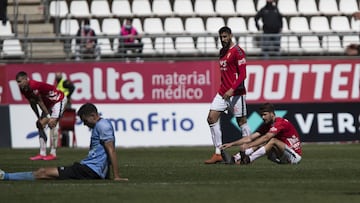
276,137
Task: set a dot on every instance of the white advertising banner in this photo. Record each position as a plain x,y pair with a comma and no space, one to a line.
145,125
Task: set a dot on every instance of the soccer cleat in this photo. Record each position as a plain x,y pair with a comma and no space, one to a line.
214,159
2,174
49,157
37,157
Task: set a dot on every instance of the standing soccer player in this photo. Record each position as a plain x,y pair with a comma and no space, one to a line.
231,94
51,102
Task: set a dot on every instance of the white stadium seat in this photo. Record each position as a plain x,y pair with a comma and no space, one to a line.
100,8
194,25
141,8
245,7
213,24
58,8
174,25
319,24
79,9
225,7
183,8
69,26
121,8
153,26
161,8
307,7
204,7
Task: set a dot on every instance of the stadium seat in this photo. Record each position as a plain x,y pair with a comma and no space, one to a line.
174,25
5,30
237,24
138,25
204,8
213,24
207,45
348,7
307,7
121,8
141,8
165,45
94,24
69,27
251,25
311,44
355,25
105,47
299,24
79,9
225,7
110,26
332,44
319,24
328,7
183,8
12,48
250,45
285,28
194,25
350,39
245,7
153,26
260,4
340,24
287,7
100,9
290,45
148,46
161,8
185,45
58,8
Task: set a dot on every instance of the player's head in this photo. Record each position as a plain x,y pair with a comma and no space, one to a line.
267,112
58,76
22,80
88,113
225,35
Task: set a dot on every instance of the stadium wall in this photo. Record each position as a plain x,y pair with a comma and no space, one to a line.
165,103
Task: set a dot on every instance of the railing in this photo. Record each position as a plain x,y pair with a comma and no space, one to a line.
180,46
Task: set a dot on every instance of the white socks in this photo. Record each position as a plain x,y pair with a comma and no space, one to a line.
258,153
216,136
42,146
53,140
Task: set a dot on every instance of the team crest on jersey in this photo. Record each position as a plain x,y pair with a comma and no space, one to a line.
35,91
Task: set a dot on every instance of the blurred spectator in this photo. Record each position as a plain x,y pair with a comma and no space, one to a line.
3,11
353,49
86,42
131,40
67,87
272,26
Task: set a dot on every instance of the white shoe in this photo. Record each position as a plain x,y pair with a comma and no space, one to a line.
2,174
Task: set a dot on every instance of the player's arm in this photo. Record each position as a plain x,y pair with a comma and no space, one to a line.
110,149
241,141
33,104
261,140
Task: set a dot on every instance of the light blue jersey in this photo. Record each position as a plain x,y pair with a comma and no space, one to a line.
97,158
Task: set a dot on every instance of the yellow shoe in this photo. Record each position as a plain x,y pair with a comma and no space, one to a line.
214,159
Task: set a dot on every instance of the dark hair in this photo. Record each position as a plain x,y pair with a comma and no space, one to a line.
224,29
21,74
267,107
87,109
86,22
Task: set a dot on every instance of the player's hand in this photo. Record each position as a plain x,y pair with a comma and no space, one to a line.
225,146
52,123
228,94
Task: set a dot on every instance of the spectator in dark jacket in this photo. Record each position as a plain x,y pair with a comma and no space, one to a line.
86,42
272,26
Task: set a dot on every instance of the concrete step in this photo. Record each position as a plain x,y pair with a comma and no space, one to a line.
38,28
24,2
26,9
47,50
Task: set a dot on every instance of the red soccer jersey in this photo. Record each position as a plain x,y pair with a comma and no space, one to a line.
49,94
233,71
285,131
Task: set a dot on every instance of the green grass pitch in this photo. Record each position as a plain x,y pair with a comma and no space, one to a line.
328,173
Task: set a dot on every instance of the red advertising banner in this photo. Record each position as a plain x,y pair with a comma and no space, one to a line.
305,81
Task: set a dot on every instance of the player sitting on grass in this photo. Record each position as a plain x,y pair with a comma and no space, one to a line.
276,137
96,165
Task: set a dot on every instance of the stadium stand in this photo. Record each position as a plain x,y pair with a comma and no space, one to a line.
53,23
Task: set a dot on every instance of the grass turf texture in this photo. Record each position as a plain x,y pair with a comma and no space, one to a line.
327,173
